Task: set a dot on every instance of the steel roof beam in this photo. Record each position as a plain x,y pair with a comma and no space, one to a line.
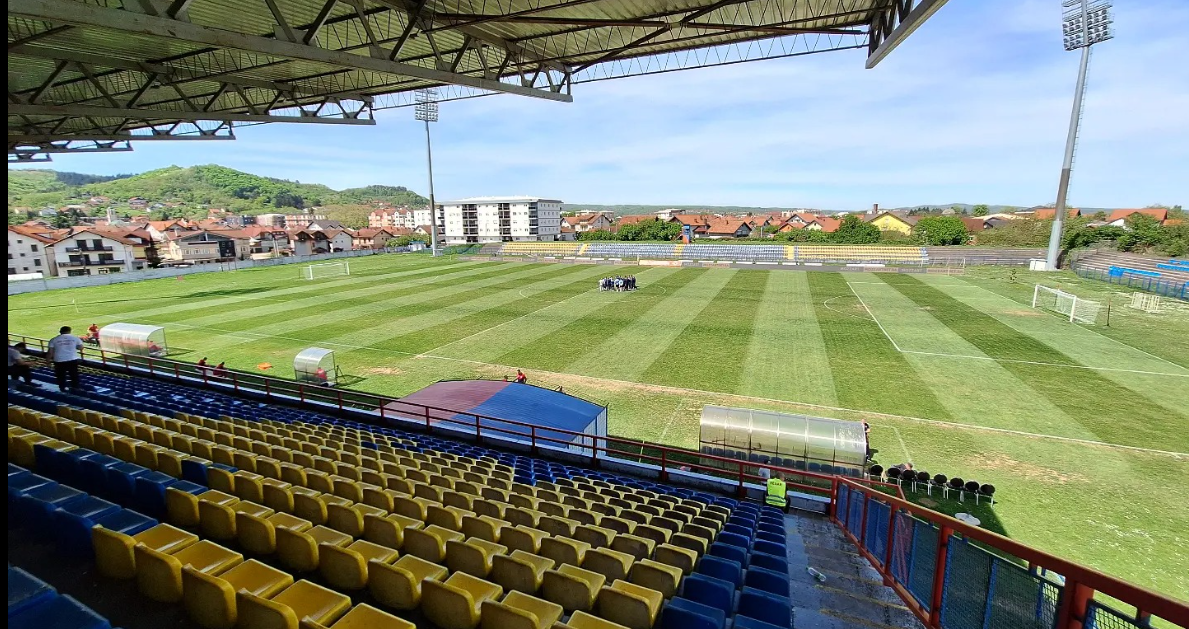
608,23
168,114
66,148
905,17
78,14
27,158
34,138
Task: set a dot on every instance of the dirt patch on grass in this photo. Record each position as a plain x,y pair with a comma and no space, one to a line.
1025,313
925,502
1000,462
384,371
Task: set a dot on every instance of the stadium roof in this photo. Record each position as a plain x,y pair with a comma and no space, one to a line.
93,75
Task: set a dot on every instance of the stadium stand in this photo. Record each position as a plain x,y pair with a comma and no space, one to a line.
629,251
854,254
243,513
540,248
1168,277
811,254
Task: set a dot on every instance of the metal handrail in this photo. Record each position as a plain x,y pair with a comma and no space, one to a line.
1081,582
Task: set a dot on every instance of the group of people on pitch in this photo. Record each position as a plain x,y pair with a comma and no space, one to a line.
618,283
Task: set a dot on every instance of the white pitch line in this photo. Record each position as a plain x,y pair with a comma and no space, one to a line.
903,446
1007,360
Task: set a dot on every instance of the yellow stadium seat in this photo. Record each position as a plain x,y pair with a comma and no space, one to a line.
638,547
210,599
490,508
523,538
298,550
710,524
483,527
159,575
114,553
349,518
455,603
696,544
363,616
656,576
564,550
583,620
429,543
630,605
258,534
520,611
657,534
705,534
617,524
445,516
398,585
472,556
346,568
609,563
596,536
181,507
682,558
412,507
301,601
571,587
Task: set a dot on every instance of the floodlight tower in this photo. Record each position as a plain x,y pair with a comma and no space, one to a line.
426,110
1084,23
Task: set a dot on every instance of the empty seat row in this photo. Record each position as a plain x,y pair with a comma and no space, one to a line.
33,604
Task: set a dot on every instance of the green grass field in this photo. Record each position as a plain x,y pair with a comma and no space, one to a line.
1084,430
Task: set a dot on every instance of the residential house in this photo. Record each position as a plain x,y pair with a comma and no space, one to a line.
323,224
301,221
138,203
588,221
308,242
1049,213
205,247
1118,218
377,238
890,222
271,220
566,233
30,251
728,228
91,251
265,242
823,224
96,201
698,223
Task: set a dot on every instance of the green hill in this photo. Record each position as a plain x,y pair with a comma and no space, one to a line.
209,186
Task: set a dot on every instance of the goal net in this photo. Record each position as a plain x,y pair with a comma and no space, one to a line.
1145,302
325,269
1067,304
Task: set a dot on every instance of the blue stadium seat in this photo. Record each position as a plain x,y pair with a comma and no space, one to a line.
72,523
765,607
26,591
194,470
59,612
93,472
36,505
769,562
719,568
126,521
772,538
772,529
709,591
771,548
16,470
727,551
742,531
121,481
24,483
150,492
743,622
767,580
734,539
682,613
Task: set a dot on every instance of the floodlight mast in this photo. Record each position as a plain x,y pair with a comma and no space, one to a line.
426,110
1084,23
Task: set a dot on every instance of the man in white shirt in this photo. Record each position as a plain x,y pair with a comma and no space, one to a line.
64,353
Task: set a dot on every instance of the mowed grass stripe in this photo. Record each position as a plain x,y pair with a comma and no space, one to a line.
228,289
556,351
295,303
426,339
710,352
401,319
380,311
494,344
626,354
315,305
786,355
976,392
1102,406
868,372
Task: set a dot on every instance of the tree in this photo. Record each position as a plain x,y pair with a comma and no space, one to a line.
980,210
1143,232
596,234
941,230
853,231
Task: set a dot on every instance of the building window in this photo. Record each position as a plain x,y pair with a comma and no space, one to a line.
37,263
32,247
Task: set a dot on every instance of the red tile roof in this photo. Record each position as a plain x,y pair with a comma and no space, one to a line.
1158,213
1048,213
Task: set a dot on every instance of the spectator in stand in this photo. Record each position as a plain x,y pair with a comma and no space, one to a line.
17,367
202,366
521,378
65,354
220,371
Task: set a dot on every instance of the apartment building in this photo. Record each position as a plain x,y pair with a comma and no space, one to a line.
94,252
30,251
500,219
398,217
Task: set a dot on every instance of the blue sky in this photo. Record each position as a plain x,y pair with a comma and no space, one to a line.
972,108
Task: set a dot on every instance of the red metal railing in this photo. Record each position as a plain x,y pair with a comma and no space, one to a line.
667,458
1081,582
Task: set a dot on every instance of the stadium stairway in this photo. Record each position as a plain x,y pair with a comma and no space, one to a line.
724,587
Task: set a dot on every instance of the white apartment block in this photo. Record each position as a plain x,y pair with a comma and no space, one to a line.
30,253
398,217
92,253
500,219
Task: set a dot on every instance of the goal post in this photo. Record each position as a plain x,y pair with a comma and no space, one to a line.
325,269
1077,309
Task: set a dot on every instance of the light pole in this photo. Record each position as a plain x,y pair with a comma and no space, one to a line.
426,110
1084,23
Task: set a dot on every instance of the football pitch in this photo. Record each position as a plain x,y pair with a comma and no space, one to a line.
1084,430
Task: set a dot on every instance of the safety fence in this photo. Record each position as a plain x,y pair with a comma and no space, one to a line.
1163,287
956,576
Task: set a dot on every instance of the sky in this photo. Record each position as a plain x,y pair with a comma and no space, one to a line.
972,108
